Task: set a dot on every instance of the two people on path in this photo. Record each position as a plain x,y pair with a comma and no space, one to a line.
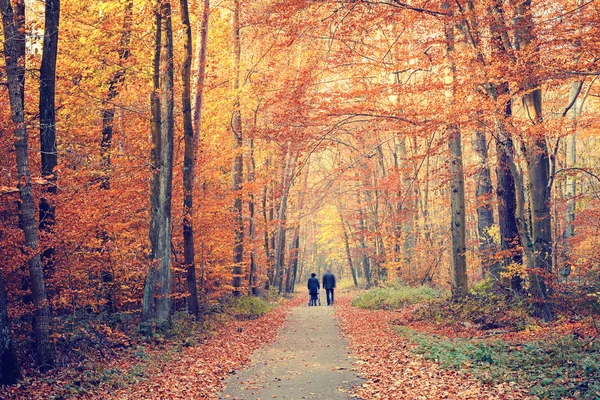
314,286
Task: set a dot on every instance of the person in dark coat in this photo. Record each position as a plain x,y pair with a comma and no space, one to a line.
329,286
313,289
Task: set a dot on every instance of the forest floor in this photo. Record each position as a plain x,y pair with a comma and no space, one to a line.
309,360
391,371
163,368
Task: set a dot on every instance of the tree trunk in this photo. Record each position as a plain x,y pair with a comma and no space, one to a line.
10,371
363,246
252,212
538,166
347,247
48,125
459,280
155,156
163,290
188,164
114,84
238,160
14,55
485,212
571,185
281,228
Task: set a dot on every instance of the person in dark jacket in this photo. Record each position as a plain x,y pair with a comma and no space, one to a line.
313,289
329,286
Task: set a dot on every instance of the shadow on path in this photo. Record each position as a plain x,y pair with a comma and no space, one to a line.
309,360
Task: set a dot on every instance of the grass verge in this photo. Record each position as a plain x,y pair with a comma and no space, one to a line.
396,296
566,367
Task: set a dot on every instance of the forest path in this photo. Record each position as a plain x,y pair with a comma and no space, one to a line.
309,360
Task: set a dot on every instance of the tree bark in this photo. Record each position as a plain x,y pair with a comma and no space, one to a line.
538,168
459,280
363,245
163,290
114,84
281,228
14,55
188,164
47,110
158,283
10,371
155,156
485,212
238,159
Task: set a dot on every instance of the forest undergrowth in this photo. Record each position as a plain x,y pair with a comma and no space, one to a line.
189,361
486,345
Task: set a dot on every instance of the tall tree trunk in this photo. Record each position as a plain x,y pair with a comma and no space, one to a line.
485,212
347,246
538,168
252,211
571,185
507,197
238,160
157,288
296,239
188,163
281,228
459,280
48,125
10,371
14,55
155,156
114,84
108,119
363,245
163,288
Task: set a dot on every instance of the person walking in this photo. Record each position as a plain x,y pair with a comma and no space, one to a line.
329,286
313,289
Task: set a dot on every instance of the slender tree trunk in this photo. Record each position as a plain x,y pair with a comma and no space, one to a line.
281,228
363,245
347,247
155,156
108,119
188,163
459,280
485,213
114,84
10,371
163,290
571,184
251,210
14,55
238,159
48,149
296,239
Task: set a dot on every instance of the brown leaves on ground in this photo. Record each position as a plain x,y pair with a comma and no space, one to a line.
392,372
166,371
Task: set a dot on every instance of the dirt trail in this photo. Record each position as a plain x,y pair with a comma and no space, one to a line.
309,360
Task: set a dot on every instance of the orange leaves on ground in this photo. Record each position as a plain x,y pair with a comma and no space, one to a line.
391,372
164,370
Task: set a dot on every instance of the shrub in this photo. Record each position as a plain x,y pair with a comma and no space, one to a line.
396,296
484,307
249,307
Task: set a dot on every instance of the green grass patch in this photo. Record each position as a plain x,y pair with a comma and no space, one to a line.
484,307
249,307
396,296
560,368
